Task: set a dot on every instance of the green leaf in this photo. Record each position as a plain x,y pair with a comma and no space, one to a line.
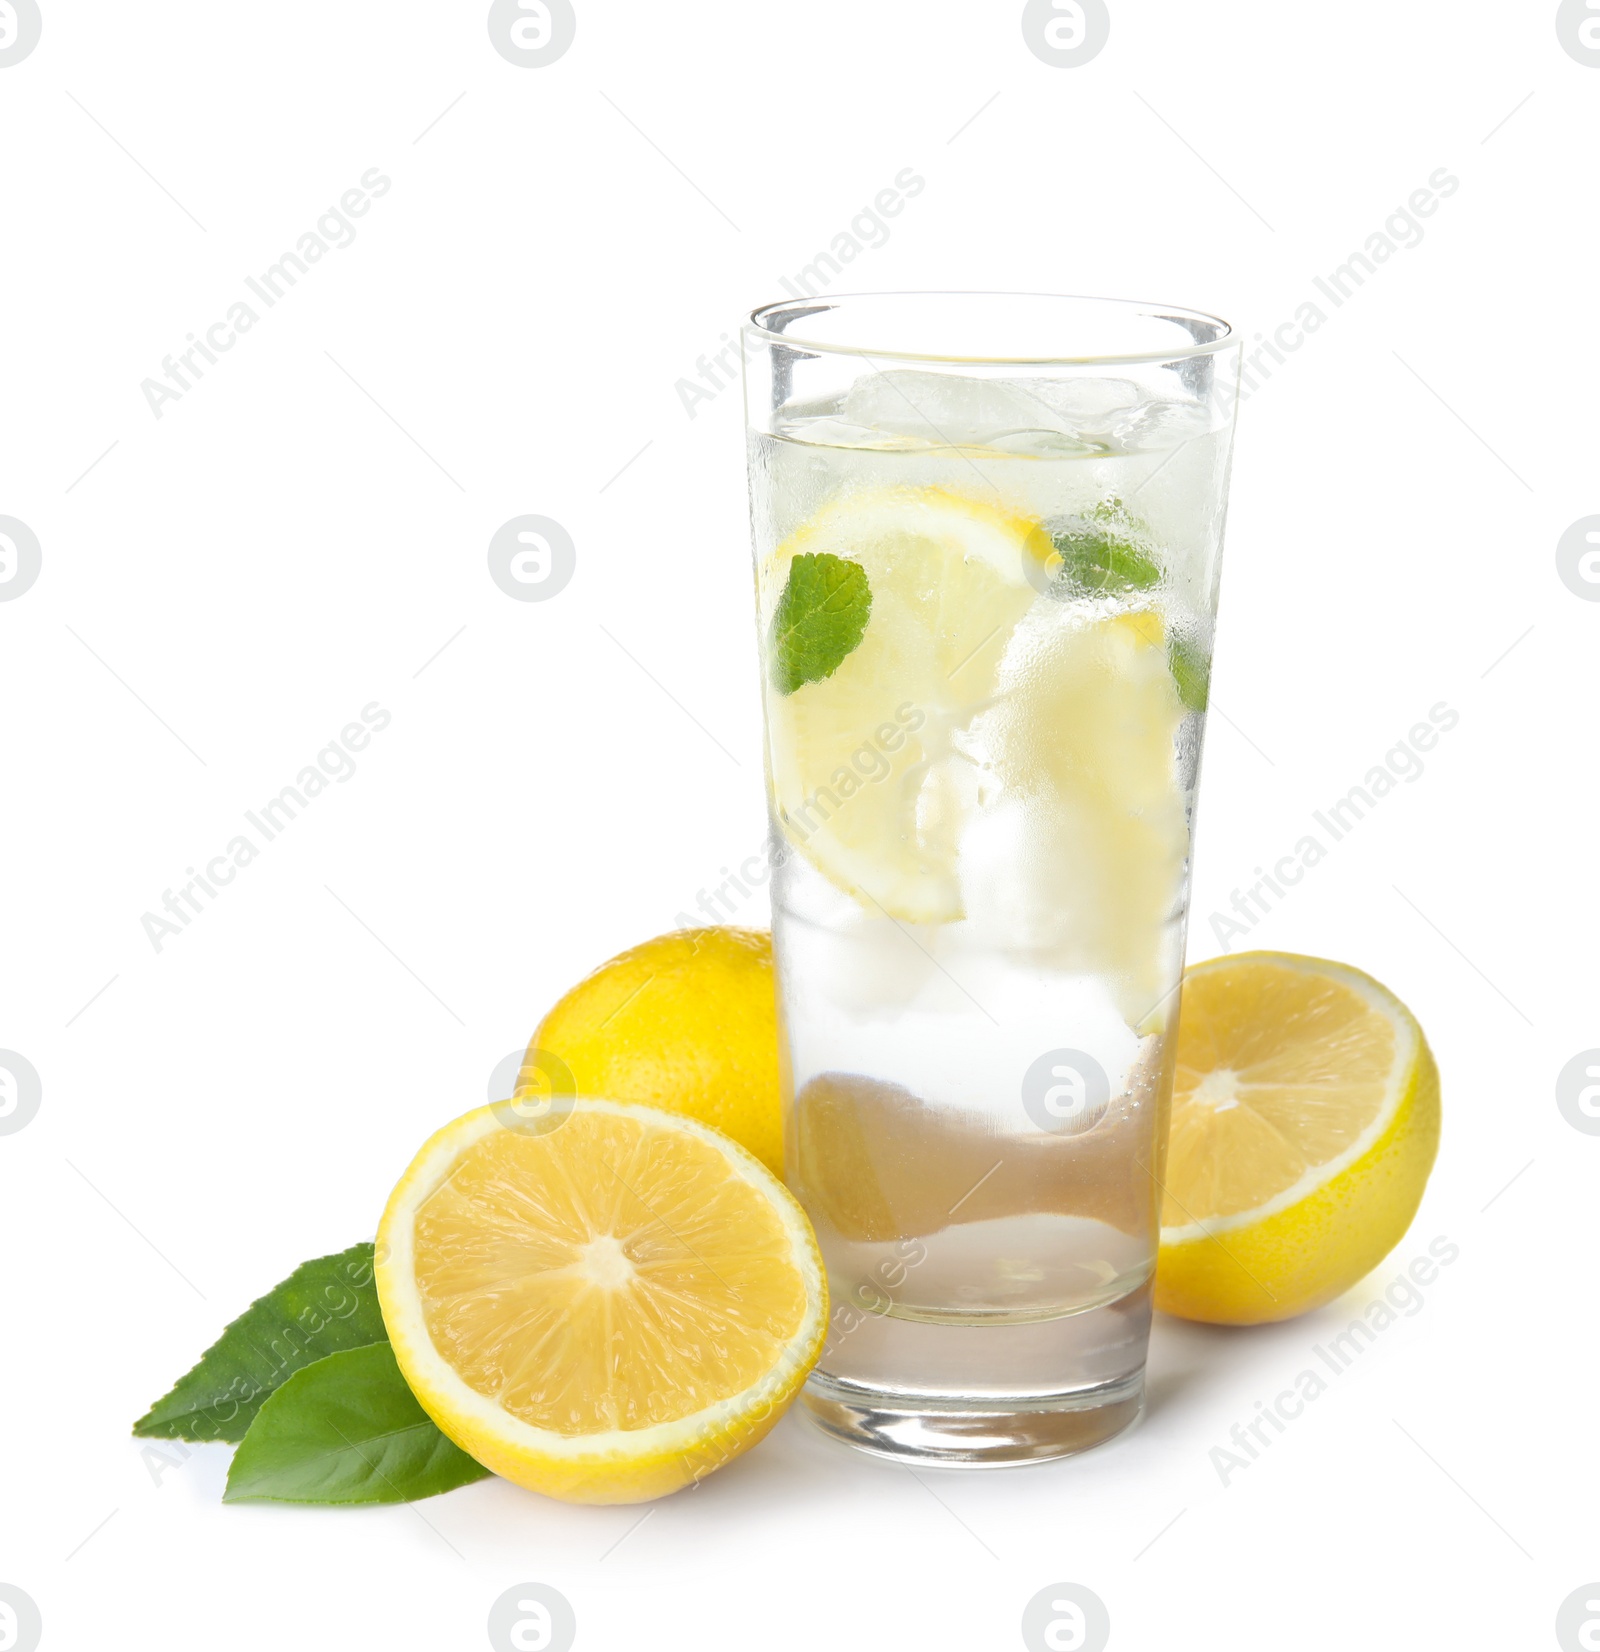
322,1307
1105,551
1191,671
820,621
346,1430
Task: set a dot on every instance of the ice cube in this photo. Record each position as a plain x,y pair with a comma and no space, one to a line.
825,431
1044,444
1157,426
961,1026
949,410
1087,404
1040,418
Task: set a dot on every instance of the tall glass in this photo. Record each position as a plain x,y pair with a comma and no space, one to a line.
988,531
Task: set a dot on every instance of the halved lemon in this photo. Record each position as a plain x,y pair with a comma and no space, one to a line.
868,772
1305,1119
601,1302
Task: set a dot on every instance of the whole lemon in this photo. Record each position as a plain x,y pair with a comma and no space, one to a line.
687,1022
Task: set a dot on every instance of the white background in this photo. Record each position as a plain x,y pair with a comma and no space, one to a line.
305,530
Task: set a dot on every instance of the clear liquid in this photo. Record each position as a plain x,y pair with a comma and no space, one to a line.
980,1238
936,1197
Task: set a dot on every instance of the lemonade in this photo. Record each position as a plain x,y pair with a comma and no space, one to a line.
985,593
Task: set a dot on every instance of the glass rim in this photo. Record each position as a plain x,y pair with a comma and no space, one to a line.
758,327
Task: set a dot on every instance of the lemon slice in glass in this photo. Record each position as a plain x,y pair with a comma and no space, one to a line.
868,776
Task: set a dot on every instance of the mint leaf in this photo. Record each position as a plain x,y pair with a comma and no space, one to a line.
346,1430
1191,671
820,620
322,1307
1105,552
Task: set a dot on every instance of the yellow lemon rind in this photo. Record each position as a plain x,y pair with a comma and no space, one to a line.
886,509
1313,1241
686,1022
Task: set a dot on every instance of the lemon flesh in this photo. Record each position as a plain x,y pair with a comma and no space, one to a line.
1305,1119
603,1305
868,771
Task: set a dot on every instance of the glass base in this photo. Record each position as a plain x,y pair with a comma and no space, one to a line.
952,1432
981,1392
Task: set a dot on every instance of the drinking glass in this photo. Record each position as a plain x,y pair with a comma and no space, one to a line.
988,531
